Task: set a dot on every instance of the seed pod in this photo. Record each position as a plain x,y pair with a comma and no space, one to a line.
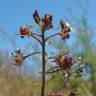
36,17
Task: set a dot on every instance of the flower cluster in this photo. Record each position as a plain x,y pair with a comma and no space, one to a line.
71,66
45,23
66,63
24,31
63,62
18,57
65,29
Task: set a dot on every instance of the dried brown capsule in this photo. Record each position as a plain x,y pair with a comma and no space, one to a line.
18,57
65,28
36,17
64,35
47,21
24,31
63,62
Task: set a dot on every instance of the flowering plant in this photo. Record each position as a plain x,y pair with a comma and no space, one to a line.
64,63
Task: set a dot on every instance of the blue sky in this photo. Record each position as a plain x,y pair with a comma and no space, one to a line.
14,13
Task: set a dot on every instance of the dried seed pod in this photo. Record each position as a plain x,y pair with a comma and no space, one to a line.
24,31
64,35
47,22
18,57
65,27
36,17
64,62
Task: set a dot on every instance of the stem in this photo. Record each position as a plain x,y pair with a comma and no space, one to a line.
66,80
48,71
36,27
43,64
51,70
36,38
52,36
53,28
53,57
36,34
30,55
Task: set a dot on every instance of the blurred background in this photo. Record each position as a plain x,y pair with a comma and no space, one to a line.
25,80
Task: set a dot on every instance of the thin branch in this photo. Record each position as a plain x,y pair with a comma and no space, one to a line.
79,74
30,55
48,71
51,70
78,66
58,55
37,39
29,35
33,37
36,34
36,27
54,28
52,36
